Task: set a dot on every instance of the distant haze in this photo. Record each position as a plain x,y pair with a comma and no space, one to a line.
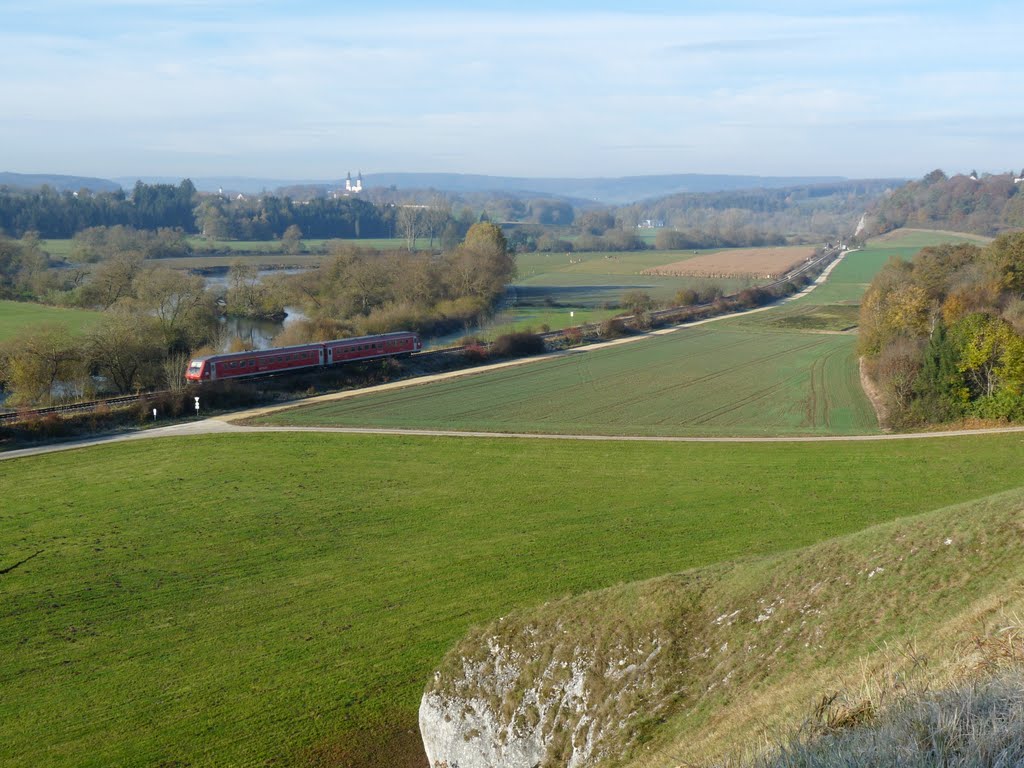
607,191
574,89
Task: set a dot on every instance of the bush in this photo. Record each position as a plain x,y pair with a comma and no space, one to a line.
687,297
475,352
612,328
518,344
753,297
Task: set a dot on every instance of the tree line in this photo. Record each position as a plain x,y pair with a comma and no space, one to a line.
53,214
943,334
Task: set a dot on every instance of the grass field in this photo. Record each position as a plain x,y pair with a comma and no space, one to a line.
609,275
784,371
283,599
16,316
696,382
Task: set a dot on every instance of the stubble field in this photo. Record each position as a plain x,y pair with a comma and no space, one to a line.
738,262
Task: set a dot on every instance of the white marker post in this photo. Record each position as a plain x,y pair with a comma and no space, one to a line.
197,406
154,414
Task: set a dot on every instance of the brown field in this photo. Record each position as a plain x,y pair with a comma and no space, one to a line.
738,262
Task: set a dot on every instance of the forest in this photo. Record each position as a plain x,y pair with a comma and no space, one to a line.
53,214
986,205
943,334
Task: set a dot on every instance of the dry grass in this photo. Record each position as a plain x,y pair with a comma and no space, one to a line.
737,262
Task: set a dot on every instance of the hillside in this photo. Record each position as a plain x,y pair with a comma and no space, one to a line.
59,182
689,668
986,205
281,599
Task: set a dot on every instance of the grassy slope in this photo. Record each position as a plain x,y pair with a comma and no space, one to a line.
752,646
16,316
250,599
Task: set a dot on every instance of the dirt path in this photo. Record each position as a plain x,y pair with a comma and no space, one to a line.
874,396
221,426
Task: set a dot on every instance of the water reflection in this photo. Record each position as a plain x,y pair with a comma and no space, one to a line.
259,333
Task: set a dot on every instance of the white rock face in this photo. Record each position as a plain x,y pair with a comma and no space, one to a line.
465,734
504,708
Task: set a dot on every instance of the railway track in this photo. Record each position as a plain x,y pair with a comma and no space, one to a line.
677,313
91,405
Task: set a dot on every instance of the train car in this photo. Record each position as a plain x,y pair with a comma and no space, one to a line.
399,344
236,365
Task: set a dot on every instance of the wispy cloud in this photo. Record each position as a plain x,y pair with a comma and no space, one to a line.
273,88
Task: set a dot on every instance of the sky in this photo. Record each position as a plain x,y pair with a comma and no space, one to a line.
312,90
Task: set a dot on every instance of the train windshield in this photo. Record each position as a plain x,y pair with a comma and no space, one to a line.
194,366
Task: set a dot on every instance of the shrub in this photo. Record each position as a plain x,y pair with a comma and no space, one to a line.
518,344
687,297
475,352
612,328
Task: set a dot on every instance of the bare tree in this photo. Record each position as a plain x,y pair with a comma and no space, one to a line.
410,220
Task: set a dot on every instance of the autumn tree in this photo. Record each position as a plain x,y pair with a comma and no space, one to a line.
250,296
111,280
179,304
43,365
291,240
127,350
482,265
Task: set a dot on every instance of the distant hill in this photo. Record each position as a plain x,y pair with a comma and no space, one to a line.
605,190
985,205
59,182
610,191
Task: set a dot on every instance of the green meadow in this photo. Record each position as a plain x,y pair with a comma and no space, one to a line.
17,316
284,598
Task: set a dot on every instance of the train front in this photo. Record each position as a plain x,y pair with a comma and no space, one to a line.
198,370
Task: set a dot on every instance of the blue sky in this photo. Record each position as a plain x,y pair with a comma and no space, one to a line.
313,89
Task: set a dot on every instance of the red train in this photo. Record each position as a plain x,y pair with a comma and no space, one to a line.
236,365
